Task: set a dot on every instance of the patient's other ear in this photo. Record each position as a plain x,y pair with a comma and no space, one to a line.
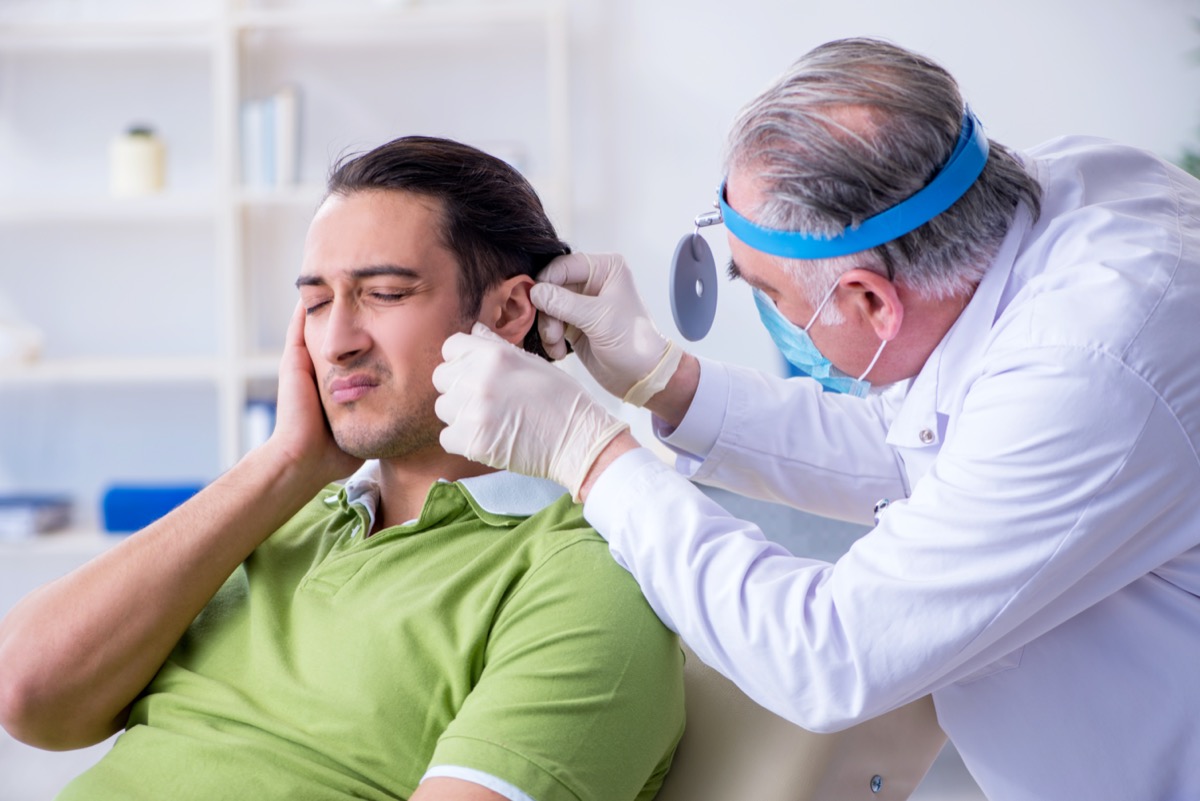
507,309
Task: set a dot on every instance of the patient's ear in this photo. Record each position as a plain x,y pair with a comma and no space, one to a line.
507,309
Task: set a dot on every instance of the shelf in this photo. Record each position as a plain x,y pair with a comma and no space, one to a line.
154,35
158,370
68,542
264,365
154,208
199,33
420,15
114,371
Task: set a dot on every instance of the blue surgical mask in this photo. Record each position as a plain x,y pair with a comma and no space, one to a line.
802,353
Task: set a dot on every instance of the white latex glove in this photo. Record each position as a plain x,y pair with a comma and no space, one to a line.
606,323
510,409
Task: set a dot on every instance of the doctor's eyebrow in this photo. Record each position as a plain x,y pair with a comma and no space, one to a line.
376,271
735,274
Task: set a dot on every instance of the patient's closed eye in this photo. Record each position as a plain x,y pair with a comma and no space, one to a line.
390,296
314,303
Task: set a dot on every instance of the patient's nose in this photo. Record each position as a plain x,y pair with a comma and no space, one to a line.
345,338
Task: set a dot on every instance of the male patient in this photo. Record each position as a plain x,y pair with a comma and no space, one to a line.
431,629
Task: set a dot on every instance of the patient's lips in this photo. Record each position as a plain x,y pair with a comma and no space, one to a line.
351,388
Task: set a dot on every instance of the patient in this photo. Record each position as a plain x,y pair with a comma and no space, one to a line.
430,629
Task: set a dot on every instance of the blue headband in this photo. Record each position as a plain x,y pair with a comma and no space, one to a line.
952,181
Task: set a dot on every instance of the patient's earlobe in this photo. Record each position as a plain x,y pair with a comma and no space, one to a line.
507,309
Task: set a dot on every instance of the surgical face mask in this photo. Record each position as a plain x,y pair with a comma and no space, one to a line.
802,353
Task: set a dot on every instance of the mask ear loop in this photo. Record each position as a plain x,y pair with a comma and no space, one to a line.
871,366
821,305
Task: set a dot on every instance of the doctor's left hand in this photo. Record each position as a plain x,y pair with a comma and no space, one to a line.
510,409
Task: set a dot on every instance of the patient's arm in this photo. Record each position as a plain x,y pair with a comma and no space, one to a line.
75,653
446,789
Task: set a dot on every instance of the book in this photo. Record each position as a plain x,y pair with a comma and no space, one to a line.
24,516
269,139
286,129
253,171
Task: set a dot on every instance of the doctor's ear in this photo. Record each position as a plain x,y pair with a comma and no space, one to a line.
507,309
877,300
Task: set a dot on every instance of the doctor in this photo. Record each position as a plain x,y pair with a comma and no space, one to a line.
1005,361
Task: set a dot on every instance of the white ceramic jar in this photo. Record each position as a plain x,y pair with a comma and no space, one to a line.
138,161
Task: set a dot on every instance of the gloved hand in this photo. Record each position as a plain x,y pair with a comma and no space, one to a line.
606,323
507,408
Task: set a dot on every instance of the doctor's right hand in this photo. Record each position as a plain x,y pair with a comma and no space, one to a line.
590,301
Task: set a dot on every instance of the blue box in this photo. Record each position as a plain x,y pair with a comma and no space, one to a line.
132,507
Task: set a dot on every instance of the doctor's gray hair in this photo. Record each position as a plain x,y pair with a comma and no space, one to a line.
854,127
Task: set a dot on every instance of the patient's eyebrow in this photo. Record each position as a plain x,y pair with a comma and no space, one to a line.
374,271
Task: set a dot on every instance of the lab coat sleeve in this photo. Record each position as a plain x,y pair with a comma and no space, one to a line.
786,441
1044,500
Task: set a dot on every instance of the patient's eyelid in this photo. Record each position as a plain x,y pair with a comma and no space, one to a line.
390,295
389,289
314,297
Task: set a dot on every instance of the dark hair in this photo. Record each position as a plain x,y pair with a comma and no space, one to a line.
492,219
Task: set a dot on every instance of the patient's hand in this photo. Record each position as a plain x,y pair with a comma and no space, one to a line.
302,433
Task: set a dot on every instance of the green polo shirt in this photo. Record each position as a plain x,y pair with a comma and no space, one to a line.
331,666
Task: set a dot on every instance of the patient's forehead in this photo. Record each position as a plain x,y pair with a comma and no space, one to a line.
374,228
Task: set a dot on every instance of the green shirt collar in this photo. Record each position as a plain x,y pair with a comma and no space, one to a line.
501,493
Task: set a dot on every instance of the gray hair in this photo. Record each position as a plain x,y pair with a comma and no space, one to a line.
854,127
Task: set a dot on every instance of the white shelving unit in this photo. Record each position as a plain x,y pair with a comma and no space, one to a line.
163,316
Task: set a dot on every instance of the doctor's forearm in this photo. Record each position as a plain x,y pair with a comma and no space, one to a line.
619,446
672,402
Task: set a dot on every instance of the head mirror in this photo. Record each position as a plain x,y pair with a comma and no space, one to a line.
693,287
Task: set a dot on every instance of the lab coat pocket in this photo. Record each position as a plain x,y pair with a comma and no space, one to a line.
1007,662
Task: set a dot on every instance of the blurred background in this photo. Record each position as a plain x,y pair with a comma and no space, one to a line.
160,160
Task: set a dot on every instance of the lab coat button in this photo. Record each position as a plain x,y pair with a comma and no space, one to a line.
880,505
876,783
926,436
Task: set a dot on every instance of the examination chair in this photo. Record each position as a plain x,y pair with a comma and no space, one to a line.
735,750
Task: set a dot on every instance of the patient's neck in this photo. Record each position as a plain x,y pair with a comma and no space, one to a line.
404,482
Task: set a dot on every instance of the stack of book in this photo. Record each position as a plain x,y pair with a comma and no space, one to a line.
270,138
25,516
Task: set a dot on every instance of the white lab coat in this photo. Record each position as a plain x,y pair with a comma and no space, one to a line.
1038,567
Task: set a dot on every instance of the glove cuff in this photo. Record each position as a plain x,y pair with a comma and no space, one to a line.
658,378
608,434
